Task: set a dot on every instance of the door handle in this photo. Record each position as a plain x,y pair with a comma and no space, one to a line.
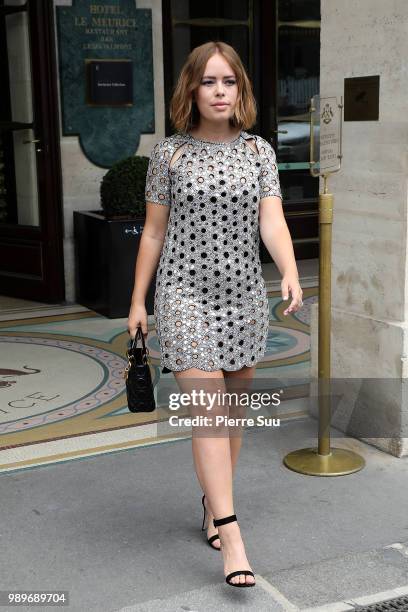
280,131
33,141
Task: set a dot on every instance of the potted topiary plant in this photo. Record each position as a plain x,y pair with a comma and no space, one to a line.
107,241
123,189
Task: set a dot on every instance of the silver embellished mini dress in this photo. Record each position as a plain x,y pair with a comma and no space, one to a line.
210,305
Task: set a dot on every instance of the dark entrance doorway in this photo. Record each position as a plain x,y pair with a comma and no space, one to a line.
31,225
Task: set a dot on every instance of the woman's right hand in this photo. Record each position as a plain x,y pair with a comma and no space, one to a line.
137,318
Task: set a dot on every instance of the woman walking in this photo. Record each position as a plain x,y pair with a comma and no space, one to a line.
211,189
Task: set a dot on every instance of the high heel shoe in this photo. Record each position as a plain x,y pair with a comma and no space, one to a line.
214,537
223,521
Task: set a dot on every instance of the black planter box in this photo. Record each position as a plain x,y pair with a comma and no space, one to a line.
105,258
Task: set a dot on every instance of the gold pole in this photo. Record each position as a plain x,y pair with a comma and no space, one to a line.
325,236
324,461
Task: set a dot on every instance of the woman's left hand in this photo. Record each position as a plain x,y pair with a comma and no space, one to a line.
291,283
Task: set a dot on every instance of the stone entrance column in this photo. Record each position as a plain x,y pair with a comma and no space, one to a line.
370,225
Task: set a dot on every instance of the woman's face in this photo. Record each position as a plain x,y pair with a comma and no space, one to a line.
218,85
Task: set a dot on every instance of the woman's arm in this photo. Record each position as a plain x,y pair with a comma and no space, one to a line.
277,239
150,247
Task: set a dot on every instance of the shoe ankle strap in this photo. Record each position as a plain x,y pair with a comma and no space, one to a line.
223,521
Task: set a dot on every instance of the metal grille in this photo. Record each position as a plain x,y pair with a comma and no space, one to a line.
389,605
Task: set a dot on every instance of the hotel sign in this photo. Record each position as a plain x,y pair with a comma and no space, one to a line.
105,49
325,135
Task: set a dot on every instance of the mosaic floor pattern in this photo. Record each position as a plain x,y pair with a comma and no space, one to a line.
62,393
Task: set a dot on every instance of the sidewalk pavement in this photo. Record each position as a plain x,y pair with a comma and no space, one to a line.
122,531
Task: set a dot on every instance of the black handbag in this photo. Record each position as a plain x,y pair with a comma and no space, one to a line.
139,386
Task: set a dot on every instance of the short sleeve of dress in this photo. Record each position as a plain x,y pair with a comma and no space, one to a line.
269,184
157,187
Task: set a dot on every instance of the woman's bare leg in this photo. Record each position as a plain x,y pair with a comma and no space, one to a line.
212,461
243,379
245,376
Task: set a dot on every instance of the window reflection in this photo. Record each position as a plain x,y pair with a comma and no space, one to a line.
298,77
196,23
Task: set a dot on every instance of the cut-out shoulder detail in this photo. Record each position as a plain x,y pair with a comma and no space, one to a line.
177,154
251,143
158,185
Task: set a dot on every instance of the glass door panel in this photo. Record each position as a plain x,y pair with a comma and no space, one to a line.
19,196
298,79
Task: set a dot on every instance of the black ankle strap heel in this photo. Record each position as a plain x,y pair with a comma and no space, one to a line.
224,521
213,537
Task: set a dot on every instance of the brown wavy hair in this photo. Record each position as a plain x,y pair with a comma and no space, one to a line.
184,113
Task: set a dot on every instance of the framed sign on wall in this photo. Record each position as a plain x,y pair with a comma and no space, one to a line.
109,82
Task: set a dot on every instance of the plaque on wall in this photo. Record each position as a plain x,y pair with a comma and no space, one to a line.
362,98
109,82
